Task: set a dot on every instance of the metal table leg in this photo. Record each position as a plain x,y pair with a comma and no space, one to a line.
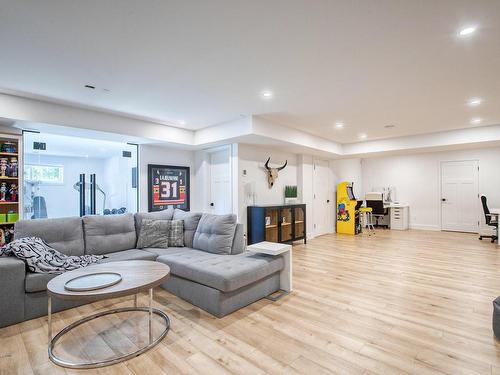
86,365
150,316
49,311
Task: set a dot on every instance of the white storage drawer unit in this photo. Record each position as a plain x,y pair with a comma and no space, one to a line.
399,218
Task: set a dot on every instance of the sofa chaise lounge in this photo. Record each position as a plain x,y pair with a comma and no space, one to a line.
219,279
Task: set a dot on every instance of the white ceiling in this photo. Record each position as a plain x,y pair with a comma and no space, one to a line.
367,63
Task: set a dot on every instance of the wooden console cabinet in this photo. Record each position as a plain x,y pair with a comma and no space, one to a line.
283,224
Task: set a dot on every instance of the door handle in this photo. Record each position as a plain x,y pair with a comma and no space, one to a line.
328,201
443,199
211,204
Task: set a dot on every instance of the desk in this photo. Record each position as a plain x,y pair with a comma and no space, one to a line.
495,212
399,215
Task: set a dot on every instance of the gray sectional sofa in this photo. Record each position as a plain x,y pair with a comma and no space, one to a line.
205,272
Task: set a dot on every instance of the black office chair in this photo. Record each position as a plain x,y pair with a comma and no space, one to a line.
488,219
378,211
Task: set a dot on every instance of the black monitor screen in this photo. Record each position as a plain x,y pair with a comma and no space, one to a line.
350,193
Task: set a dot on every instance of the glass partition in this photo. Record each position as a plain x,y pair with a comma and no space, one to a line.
73,176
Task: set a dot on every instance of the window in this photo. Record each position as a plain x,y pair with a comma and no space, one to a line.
51,174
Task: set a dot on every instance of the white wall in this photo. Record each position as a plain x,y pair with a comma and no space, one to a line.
348,170
201,169
252,159
168,156
305,188
417,180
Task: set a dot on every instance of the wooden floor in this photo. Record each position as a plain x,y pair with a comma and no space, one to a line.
410,302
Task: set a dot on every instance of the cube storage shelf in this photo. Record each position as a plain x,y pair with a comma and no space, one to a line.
10,184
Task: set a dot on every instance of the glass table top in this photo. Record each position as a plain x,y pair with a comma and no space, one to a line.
93,281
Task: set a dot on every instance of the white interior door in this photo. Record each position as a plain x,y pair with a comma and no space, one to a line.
460,196
322,204
220,182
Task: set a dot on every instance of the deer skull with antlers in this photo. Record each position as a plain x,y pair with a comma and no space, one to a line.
272,173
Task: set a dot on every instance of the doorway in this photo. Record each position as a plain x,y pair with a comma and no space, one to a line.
322,198
460,196
68,176
220,181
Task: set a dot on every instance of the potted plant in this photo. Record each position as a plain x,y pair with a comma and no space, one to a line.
290,194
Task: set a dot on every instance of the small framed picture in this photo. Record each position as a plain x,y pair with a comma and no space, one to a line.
268,220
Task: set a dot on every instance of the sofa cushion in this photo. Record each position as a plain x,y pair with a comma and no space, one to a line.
191,220
154,233
167,214
215,233
110,233
37,282
239,240
223,272
131,254
64,234
158,252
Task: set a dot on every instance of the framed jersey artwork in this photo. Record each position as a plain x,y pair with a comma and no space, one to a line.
168,186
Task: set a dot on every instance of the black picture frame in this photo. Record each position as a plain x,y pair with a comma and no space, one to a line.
158,175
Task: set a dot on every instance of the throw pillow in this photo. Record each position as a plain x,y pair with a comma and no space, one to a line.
157,215
176,233
191,220
41,258
153,233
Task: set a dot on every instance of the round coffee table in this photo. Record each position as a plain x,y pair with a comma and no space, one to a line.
135,276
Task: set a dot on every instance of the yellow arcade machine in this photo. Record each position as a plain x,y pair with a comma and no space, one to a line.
347,209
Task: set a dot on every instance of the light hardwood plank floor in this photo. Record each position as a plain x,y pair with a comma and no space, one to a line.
410,302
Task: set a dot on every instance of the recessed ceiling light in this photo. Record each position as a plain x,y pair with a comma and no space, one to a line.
466,31
362,136
267,94
473,102
476,121
339,125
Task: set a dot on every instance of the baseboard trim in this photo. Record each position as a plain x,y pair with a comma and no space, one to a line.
435,228
314,235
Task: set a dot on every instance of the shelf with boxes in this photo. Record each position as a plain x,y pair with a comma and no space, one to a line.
10,184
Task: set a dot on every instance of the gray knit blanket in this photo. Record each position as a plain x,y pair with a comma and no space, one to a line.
41,258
